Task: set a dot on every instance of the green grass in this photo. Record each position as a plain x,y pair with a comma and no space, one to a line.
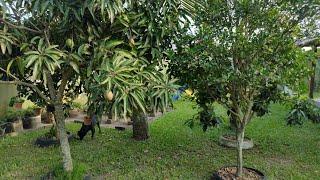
174,151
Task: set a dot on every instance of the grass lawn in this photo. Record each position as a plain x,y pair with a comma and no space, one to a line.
174,151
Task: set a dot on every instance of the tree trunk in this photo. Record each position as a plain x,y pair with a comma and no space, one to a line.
140,126
312,83
312,80
240,137
154,112
64,143
232,118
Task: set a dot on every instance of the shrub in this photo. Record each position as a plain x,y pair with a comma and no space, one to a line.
302,110
30,112
207,118
12,115
77,105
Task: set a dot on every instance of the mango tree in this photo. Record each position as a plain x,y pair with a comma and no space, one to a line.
129,83
49,43
247,47
126,65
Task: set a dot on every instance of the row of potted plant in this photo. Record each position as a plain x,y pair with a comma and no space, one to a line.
15,120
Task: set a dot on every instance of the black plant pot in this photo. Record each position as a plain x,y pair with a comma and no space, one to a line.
32,122
8,128
217,176
15,126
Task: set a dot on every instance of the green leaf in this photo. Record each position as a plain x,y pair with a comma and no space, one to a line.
139,102
3,47
21,65
9,48
113,43
35,71
75,66
44,6
30,60
125,105
9,66
102,7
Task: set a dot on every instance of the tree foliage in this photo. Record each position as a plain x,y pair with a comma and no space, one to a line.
56,49
240,53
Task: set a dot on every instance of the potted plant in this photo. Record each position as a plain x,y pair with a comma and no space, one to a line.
12,121
16,102
37,110
76,108
32,119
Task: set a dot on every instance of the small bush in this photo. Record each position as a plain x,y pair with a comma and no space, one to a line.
77,105
30,112
12,115
207,118
302,110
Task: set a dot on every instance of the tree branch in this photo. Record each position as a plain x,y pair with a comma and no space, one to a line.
20,27
9,74
46,35
51,88
65,77
234,113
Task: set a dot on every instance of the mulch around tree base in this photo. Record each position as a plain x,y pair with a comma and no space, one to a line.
46,142
229,173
